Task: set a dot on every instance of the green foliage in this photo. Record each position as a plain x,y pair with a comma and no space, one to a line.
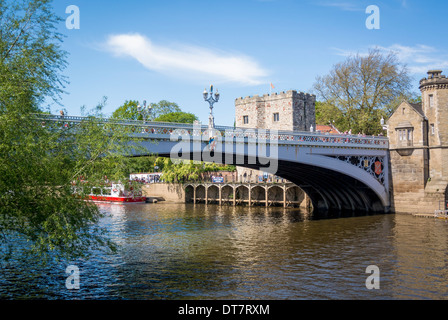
363,89
327,113
164,107
179,117
127,111
31,59
187,170
415,99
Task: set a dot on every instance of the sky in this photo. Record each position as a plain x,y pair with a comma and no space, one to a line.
172,50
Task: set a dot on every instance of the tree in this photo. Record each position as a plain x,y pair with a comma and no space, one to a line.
127,111
179,117
31,59
187,171
327,113
164,107
40,161
364,89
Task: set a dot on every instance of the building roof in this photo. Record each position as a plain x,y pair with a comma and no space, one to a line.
327,129
418,107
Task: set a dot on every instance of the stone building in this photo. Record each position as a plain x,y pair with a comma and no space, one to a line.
418,135
290,111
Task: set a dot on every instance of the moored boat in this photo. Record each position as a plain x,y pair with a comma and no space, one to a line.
115,193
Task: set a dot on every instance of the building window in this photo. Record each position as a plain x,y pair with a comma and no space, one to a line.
276,117
431,100
402,111
433,130
405,137
245,119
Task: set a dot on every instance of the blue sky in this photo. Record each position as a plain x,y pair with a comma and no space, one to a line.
172,50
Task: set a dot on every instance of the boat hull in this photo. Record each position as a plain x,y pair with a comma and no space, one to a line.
138,199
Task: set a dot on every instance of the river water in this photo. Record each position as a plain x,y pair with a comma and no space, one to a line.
186,251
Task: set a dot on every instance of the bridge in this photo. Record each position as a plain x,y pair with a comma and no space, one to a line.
338,172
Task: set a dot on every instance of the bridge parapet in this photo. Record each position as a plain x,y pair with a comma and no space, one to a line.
156,130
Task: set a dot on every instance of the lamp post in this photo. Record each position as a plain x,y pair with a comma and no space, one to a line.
211,100
385,126
144,111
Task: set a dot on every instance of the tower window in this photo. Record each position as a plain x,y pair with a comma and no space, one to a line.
245,119
276,117
433,130
431,100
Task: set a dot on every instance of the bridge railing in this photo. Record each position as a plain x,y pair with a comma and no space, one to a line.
148,128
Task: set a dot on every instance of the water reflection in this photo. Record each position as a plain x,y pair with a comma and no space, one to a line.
186,251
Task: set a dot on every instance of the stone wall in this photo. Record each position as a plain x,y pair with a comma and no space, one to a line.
173,193
296,111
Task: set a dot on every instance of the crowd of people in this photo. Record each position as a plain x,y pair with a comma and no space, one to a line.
146,178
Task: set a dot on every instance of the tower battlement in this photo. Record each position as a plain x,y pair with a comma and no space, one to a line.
435,80
275,95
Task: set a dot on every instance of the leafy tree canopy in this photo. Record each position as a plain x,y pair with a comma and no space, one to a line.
361,90
127,111
187,171
31,58
164,107
179,117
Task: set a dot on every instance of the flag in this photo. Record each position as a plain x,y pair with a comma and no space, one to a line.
272,86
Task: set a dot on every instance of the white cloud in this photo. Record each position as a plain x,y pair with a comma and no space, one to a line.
344,6
188,60
419,58
352,5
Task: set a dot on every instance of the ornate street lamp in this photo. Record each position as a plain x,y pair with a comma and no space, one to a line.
144,111
211,100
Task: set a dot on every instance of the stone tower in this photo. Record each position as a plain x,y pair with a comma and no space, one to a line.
434,91
291,110
418,143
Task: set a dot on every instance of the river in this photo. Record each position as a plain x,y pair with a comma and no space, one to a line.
186,251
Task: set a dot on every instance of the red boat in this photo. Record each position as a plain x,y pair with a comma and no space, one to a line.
116,193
